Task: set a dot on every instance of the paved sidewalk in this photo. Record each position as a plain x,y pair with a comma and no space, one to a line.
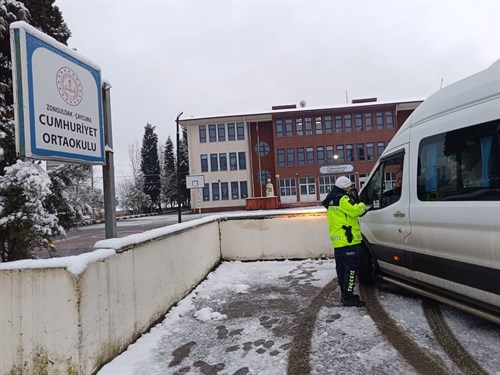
258,318
284,317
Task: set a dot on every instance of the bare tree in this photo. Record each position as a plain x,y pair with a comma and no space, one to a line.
134,154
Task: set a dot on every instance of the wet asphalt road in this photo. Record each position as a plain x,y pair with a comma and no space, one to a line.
82,239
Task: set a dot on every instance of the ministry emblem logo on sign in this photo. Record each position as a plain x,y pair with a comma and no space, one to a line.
69,86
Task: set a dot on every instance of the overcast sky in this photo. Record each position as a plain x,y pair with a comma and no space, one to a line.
231,57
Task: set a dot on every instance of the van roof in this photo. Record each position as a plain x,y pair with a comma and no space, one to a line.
472,89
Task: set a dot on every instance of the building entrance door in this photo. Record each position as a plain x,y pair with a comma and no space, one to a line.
307,187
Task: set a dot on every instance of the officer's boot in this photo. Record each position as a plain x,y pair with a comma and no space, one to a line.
350,299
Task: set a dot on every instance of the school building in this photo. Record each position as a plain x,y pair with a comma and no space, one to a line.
301,150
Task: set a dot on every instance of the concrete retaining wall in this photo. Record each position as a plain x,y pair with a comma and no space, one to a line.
69,319
291,236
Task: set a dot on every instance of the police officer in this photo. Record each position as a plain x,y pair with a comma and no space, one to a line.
342,214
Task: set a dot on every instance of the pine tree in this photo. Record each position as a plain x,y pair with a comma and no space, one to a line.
150,165
47,17
26,223
169,174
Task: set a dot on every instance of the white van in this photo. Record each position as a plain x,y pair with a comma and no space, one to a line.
433,222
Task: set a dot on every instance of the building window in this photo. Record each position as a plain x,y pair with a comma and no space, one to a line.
235,193
281,157
223,162
288,128
244,189
380,148
263,176
240,131
262,148
214,165
309,128
215,191
231,131
279,129
319,125
204,162
326,183
379,120
288,187
320,154
242,160
212,133
310,155
290,157
224,190
221,130
389,120
328,125
360,148
368,121
362,177
203,133
358,122
340,153
349,151
298,127
338,124
370,151
329,155
233,162
307,185
301,156
348,123
206,193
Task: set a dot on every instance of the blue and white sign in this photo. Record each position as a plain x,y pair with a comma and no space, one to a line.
57,99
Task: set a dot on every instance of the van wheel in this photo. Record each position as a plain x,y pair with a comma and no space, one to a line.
366,267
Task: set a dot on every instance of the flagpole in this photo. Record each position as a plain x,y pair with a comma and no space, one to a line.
258,154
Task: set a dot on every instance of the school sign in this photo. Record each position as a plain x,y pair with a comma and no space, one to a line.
57,99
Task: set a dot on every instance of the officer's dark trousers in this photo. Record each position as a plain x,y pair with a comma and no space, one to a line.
346,262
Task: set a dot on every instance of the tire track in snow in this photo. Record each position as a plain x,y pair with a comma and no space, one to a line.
419,358
298,356
450,344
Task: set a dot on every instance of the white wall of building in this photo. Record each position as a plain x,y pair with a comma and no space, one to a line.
195,149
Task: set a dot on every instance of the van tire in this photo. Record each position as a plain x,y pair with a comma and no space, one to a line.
366,267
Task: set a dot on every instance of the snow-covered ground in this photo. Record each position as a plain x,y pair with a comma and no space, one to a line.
244,319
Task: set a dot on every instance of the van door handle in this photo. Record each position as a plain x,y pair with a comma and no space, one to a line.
399,214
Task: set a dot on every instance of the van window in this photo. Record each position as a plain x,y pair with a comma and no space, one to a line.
384,188
460,165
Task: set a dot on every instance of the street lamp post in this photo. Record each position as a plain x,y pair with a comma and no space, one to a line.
179,219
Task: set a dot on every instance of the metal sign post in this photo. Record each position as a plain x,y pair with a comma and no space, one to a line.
108,169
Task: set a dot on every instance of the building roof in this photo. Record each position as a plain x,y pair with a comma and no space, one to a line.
267,115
